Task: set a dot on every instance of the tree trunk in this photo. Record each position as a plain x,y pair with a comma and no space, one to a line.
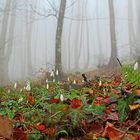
100,63
139,63
29,25
113,60
4,77
58,60
88,39
131,32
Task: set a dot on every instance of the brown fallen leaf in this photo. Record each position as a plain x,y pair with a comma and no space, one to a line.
114,134
112,116
90,136
111,132
134,107
138,92
6,129
19,134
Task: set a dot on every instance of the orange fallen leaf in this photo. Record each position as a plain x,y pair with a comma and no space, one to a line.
65,108
55,100
6,129
114,134
30,100
40,127
134,107
76,103
137,92
50,131
111,132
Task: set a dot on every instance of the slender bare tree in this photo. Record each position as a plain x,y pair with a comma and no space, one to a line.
130,27
60,21
99,35
113,60
6,42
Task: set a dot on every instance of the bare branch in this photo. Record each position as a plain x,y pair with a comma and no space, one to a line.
41,14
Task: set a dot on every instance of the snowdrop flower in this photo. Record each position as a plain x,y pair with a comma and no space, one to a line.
56,72
52,73
15,85
61,98
83,81
136,66
47,86
53,80
21,90
46,80
68,79
74,82
8,91
20,100
28,86
100,83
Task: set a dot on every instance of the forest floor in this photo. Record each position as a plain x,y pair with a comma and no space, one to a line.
99,108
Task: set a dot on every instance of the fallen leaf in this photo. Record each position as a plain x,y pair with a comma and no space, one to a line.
76,103
40,127
30,100
18,117
114,116
6,129
111,132
50,131
65,108
137,92
55,100
114,134
134,107
19,134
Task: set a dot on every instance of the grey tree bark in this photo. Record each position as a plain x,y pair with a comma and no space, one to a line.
98,35
60,21
29,25
131,27
88,39
113,60
6,46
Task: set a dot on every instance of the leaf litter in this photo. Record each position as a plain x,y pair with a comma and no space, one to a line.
100,109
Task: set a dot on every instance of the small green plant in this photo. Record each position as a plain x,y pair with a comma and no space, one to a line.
131,76
94,111
76,116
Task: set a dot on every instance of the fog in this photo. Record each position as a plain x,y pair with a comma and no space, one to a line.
94,34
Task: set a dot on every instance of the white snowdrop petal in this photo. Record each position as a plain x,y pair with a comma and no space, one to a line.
74,82
100,83
61,98
136,66
8,91
15,85
47,86
52,74
46,80
20,100
56,72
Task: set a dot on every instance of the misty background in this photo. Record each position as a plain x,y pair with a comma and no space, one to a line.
94,33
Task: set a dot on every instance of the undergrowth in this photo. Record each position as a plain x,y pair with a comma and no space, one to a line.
41,114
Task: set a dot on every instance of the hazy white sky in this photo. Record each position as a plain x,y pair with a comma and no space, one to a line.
86,35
